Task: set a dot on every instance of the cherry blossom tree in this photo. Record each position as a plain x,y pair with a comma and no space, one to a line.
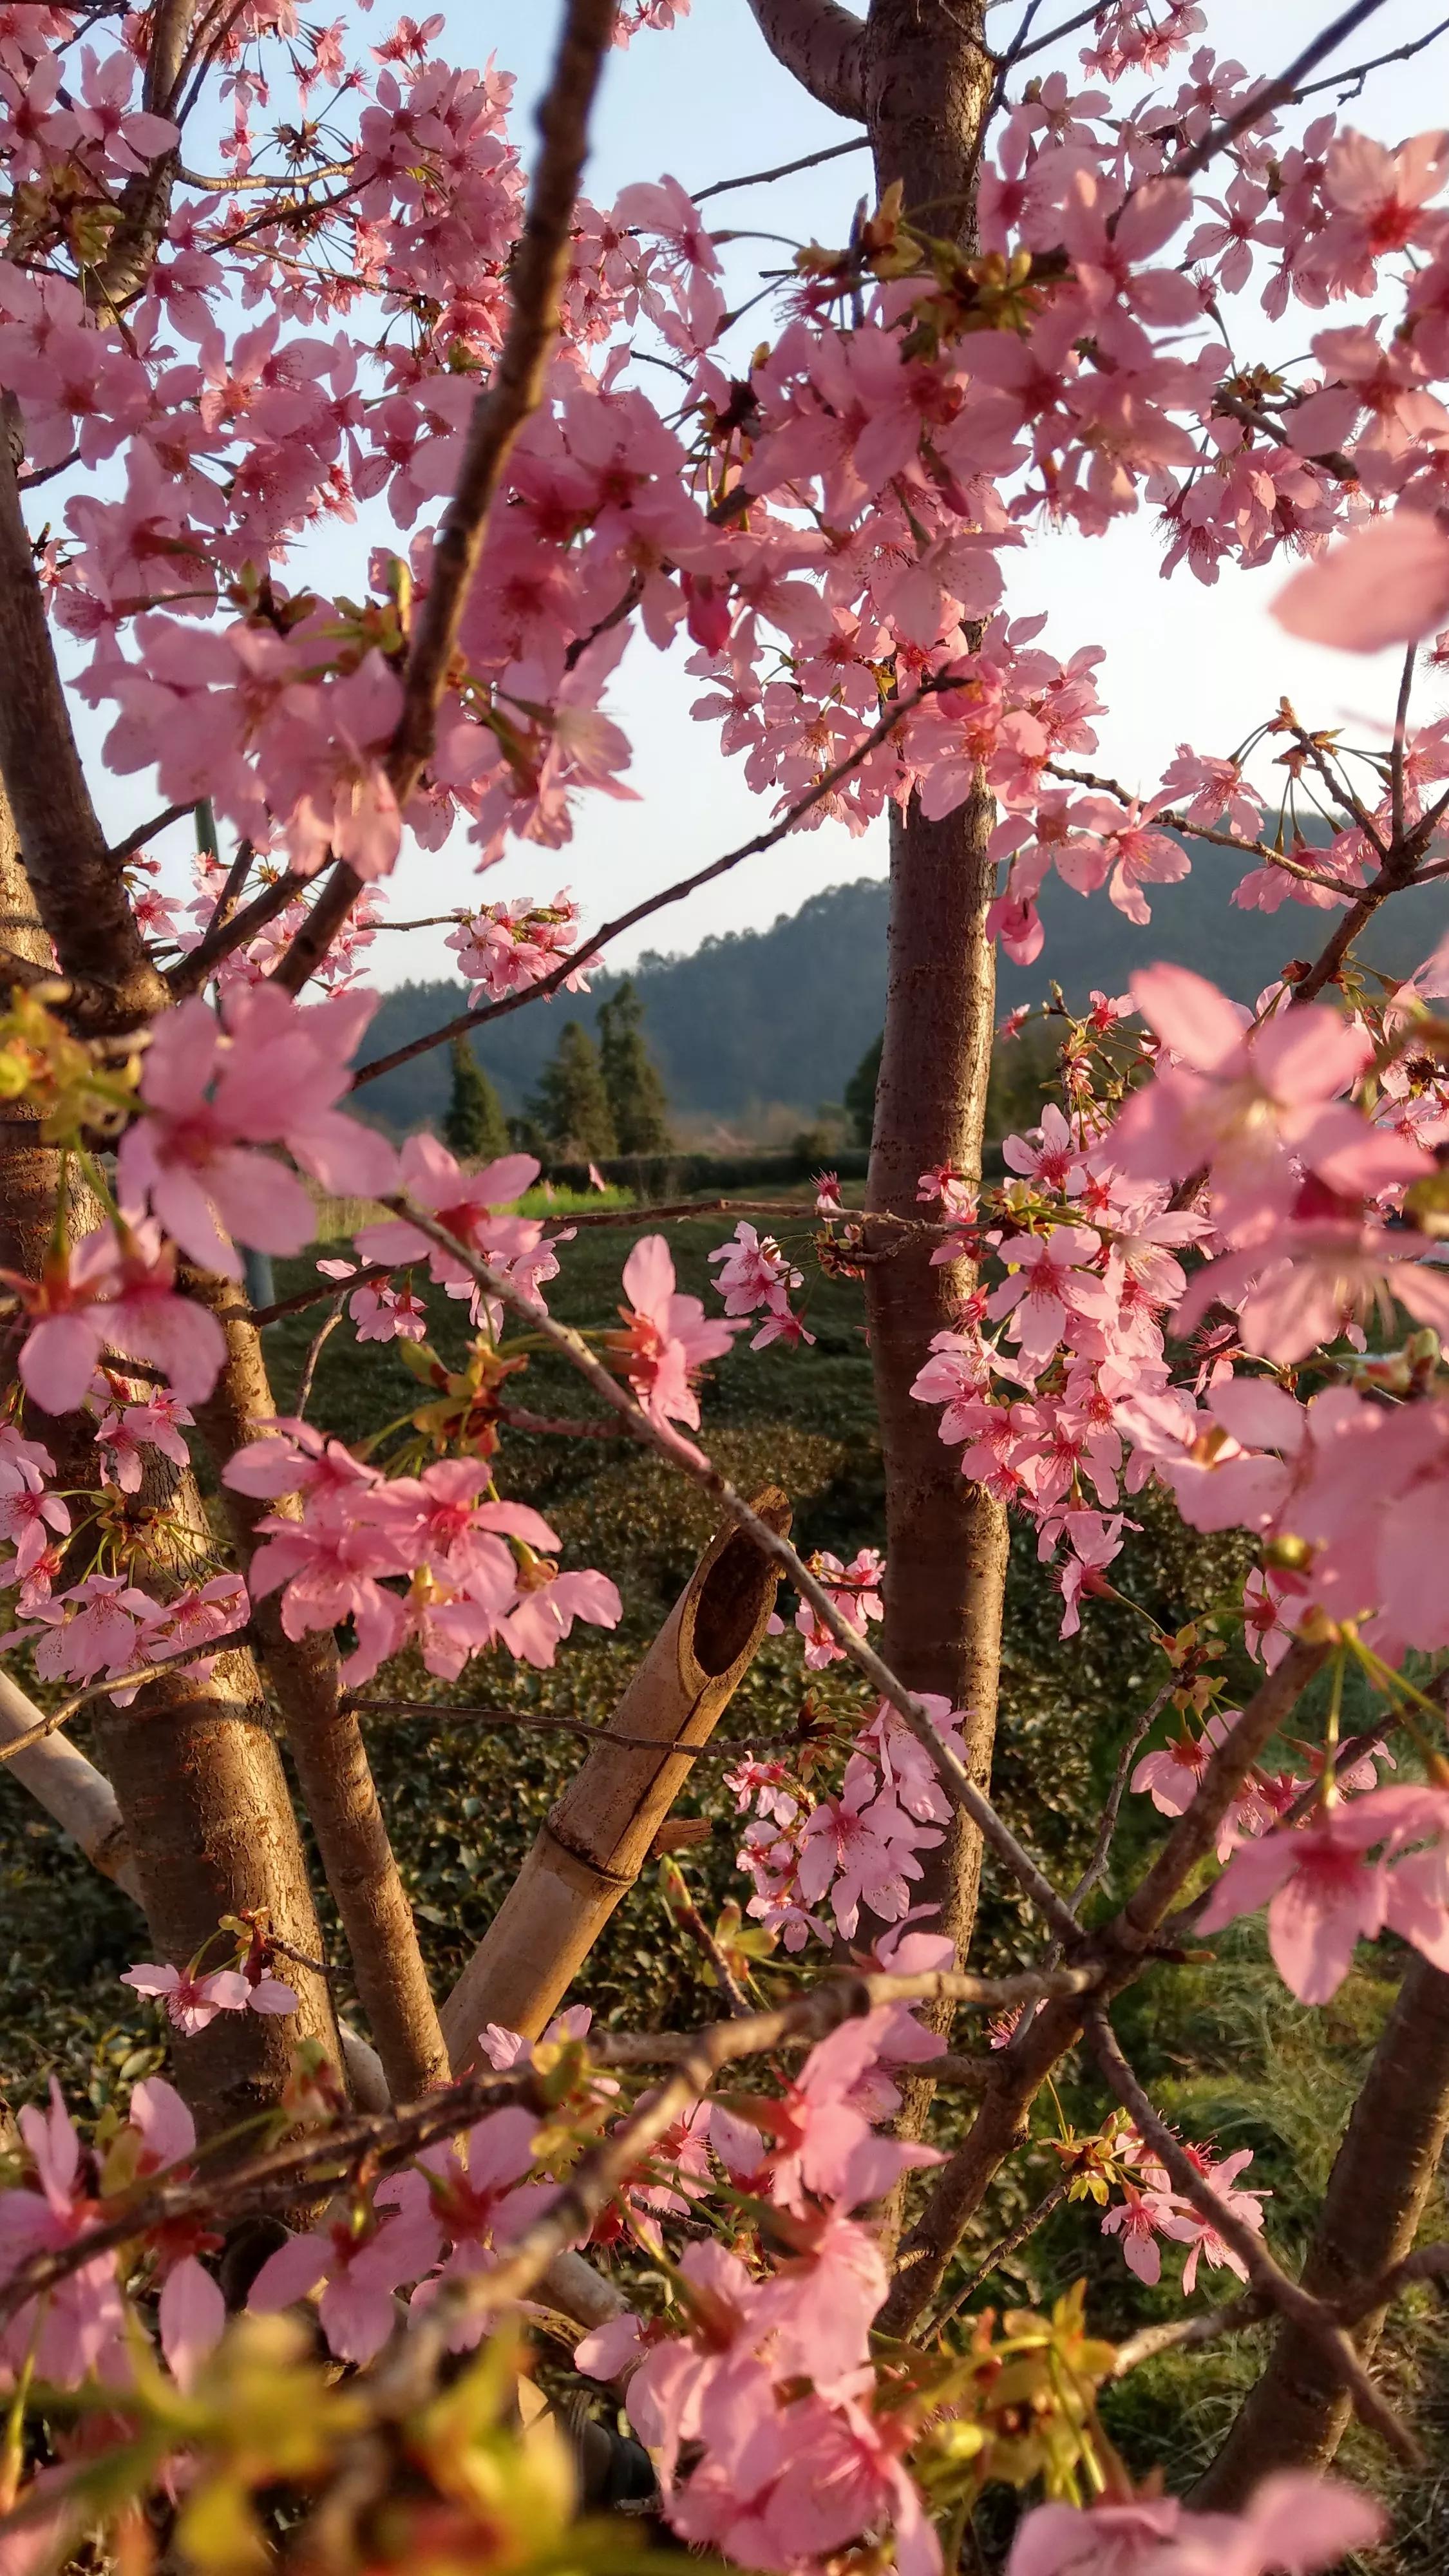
1156,280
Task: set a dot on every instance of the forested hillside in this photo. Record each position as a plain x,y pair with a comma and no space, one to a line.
785,1014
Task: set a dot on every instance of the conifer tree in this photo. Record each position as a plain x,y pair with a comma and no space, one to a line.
860,1092
571,1104
638,1104
474,1127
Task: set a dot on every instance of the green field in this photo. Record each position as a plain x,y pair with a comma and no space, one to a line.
1230,2055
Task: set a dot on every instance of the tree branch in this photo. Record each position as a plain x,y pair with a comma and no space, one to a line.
275,2179
1357,73
783,170
1383,2174
567,966
822,46
1043,2040
120,851
225,934
1274,93
513,392
1308,2315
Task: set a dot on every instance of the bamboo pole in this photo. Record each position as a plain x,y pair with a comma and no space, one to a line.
70,1789
597,1837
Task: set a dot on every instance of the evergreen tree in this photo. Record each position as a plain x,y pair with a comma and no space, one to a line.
571,1104
638,1104
474,1126
860,1093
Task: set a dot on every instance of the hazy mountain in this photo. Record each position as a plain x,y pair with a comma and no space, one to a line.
785,1014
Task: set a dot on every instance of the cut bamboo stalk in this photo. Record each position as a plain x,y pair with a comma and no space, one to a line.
70,1788
597,1837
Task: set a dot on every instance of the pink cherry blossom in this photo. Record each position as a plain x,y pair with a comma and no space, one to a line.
1187,2226
1241,1102
192,2002
214,1096
114,1291
667,1337
1388,584
359,2263
1295,2524
78,2329
1323,1891
466,1205
1048,1281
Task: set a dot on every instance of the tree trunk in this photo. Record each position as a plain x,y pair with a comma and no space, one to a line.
921,82
326,1744
928,80
946,1540
1383,2174
197,1775
27,1167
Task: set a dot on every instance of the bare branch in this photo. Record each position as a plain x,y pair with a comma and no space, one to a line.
1101,1849
1184,2334
513,392
783,170
315,1349
1020,52
1357,73
1274,93
56,1717
120,851
1264,2275
1008,2244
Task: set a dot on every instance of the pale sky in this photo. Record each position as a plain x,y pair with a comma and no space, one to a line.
706,102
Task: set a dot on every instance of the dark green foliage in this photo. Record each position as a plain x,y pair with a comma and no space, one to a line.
474,1127
637,1102
860,1093
785,1014
1023,1073
571,1105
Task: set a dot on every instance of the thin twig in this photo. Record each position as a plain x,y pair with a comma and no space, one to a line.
196,967
309,1366
683,1910
1185,2333
123,850
1357,73
1396,756
1274,93
1110,1813
1005,2245
1021,52
661,1436
57,1717
1174,822
540,1722
783,170
230,896
552,983
1263,2273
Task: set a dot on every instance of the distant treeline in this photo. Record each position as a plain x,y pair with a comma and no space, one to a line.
785,1014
